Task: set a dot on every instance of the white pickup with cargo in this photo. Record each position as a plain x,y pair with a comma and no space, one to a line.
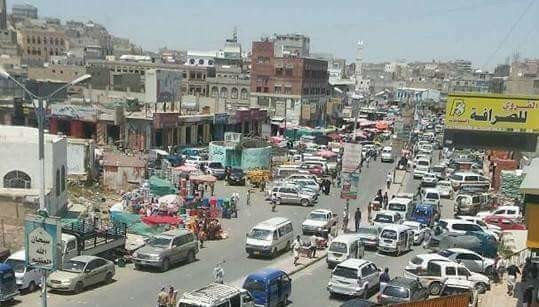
216,295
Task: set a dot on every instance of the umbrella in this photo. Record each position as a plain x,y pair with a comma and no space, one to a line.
326,154
381,125
186,168
169,199
203,178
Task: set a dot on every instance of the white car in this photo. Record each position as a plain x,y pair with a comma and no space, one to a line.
387,154
419,230
421,167
445,189
510,212
421,261
470,259
318,222
496,230
385,217
431,196
462,226
26,277
429,180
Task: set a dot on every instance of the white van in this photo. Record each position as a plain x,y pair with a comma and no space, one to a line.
402,206
421,167
27,278
395,239
343,247
270,237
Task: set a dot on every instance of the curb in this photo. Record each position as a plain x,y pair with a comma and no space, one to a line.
299,268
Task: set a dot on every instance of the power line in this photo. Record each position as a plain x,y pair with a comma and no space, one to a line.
506,37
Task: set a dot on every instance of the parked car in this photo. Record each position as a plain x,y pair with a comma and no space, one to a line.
167,248
445,189
316,170
319,222
479,221
504,223
402,289
343,247
454,286
421,261
216,295
462,227
8,286
387,154
268,287
236,177
368,235
216,169
81,272
429,180
471,204
27,278
354,277
290,194
510,212
419,230
472,260
460,179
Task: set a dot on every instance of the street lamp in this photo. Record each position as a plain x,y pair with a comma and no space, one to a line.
41,120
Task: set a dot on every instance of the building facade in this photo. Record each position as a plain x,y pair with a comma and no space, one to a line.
23,11
39,43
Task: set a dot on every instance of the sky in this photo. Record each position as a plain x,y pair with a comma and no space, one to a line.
483,31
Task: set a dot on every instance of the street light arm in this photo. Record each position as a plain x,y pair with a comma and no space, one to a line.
78,80
27,91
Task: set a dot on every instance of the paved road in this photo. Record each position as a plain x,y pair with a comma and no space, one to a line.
139,288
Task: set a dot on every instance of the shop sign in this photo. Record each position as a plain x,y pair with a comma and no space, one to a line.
73,112
492,113
351,157
165,120
42,241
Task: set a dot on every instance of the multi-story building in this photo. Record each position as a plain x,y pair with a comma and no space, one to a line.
121,46
295,88
230,88
92,39
65,73
40,42
8,37
23,11
524,78
291,45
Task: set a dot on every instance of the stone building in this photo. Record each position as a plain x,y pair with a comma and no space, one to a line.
230,88
39,42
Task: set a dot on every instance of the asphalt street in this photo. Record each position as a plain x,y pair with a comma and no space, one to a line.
140,288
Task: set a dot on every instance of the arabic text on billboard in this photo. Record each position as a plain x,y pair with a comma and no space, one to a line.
351,157
492,113
42,238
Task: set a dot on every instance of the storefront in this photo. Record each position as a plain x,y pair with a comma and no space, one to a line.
220,121
165,129
73,121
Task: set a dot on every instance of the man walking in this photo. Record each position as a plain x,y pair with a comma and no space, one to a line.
296,248
389,179
357,218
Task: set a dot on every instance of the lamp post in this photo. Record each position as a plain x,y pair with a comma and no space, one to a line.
42,100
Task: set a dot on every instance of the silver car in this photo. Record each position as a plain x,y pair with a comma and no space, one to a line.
81,272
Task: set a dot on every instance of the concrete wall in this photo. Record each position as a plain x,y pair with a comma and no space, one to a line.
118,178
80,158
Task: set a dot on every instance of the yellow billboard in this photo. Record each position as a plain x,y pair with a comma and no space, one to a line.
492,113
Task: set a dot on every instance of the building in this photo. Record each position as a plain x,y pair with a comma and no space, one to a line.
201,58
292,87
163,86
40,42
524,78
8,37
91,39
121,46
122,172
297,45
23,11
20,172
230,88
65,73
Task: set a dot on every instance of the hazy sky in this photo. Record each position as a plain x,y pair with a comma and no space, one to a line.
391,29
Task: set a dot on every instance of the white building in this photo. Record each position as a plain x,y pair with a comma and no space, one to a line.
201,58
19,170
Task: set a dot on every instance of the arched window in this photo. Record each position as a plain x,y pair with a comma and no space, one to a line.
201,62
214,91
58,182
234,93
192,61
224,92
17,180
244,94
63,178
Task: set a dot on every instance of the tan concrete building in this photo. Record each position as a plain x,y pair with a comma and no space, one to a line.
64,73
524,78
39,43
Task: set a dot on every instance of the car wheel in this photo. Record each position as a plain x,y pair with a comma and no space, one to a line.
366,292
481,287
108,278
191,257
304,202
165,265
285,301
31,287
435,288
79,286
274,253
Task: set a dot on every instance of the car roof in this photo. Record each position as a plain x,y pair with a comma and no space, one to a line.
175,232
354,263
400,200
321,211
412,223
272,222
266,273
461,250
18,255
347,238
455,221
507,207
387,147
396,227
85,258
431,256
431,190
387,212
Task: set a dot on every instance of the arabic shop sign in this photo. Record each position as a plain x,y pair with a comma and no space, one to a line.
42,239
492,113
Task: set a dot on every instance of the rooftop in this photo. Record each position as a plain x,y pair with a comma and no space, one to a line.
21,134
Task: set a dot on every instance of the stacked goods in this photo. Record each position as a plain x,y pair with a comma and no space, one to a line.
510,183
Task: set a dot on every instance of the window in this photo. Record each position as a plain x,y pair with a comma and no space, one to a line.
58,187
287,90
288,71
71,245
214,91
468,257
192,61
279,71
277,90
450,271
234,93
63,178
258,89
266,89
224,92
17,180
463,271
244,94
466,227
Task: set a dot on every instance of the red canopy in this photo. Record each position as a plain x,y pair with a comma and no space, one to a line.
158,219
326,154
382,125
186,168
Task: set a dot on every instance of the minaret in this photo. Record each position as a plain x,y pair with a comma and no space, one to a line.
3,15
359,64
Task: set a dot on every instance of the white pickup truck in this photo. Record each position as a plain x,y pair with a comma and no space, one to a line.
319,222
438,271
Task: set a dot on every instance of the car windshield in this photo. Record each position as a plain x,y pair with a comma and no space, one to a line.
438,169
254,285
446,253
368,231
456,177
382,218
74,266
421,212
317,216
261,234
389,234
338,247
422,163
345,272
444,184
236,171
432,196
397,207
17,265
215,165
393,291
160,241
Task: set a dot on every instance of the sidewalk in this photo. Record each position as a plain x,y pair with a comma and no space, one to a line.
497,296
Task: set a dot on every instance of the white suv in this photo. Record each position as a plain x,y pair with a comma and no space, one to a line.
387,154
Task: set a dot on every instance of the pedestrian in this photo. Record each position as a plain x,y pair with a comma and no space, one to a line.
389,180
219,273
162,298
296,248
357,218
527,296
313,246
500,268
172,297
369,211
274,202
328,186
384,277
385,200
249,197
512,272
